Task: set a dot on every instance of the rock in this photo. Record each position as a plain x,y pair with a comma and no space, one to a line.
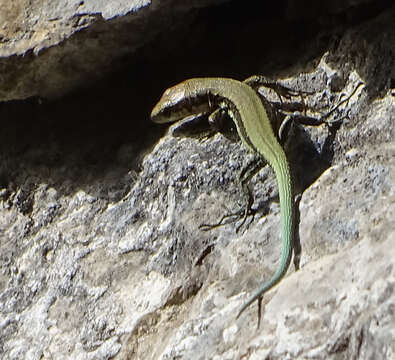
101,254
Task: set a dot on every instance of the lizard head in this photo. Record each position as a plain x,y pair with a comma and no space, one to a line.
177,103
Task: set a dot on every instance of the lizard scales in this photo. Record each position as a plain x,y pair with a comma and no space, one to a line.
254,128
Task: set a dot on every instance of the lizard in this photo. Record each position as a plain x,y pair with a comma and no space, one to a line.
245,108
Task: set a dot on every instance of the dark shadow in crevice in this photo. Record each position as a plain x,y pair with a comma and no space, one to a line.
91,139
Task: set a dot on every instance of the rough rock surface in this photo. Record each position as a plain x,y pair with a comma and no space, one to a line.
48,49
101,255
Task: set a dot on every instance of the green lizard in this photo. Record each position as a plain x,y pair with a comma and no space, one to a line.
245,108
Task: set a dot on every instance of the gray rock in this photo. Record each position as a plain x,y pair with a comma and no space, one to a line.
101,258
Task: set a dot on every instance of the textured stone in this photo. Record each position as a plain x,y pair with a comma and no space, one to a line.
101,258
48,49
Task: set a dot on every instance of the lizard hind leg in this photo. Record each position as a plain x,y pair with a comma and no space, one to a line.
221,121
245,176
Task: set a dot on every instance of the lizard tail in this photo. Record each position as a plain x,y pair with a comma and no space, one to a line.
281,169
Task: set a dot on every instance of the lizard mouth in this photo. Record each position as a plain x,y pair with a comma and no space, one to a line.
166,111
